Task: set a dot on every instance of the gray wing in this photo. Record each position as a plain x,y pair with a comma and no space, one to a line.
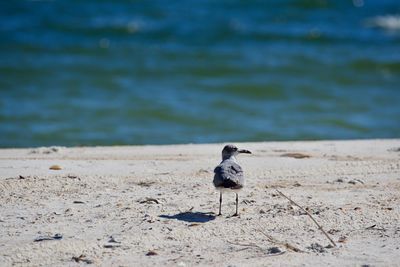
228,175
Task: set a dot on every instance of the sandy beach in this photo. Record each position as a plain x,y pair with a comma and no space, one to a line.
156,205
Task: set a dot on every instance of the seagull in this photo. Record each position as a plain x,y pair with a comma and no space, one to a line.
228,175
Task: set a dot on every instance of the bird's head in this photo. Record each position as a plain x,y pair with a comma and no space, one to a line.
232,150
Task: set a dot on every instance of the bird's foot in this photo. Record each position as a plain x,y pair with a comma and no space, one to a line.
219,214
236,215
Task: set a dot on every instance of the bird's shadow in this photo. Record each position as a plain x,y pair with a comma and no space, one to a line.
189,216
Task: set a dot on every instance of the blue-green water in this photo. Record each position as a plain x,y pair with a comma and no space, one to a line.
160,72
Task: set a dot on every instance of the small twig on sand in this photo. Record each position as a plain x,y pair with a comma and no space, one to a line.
277,242
373,227
245,245
319,226
257,246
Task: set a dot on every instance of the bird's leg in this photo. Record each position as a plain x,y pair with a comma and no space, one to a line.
220,203
237,204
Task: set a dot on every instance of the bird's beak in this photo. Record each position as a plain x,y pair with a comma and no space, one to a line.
244,151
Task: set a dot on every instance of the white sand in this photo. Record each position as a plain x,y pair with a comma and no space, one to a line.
156,198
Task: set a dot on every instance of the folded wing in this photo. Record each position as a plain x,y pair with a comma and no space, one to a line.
228,175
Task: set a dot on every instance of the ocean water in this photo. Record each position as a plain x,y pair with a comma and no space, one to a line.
100,72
